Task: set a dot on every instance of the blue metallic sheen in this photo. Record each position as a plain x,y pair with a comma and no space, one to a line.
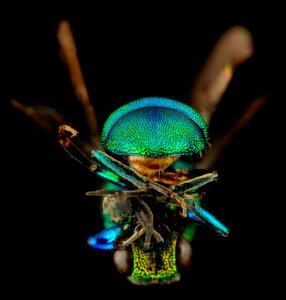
105,239
208,219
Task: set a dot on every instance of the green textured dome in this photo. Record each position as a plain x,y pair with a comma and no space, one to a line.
155,127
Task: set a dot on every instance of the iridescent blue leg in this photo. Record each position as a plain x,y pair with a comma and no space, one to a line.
105,239
208,219
126,176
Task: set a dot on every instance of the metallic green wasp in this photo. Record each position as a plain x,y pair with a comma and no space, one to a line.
150,145
149,154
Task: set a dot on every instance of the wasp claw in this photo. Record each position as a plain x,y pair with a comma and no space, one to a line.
158,236
147,246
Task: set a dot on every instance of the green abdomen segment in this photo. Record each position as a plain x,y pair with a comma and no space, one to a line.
157,266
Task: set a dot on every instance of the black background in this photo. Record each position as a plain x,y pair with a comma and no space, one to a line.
47,216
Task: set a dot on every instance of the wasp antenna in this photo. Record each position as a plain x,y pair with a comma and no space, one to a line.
233,48
69,56
66,137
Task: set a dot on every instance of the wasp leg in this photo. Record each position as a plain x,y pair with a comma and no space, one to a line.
133,237
169,194
144,184
117,204
208,219
126,174
193,184
145,217
126,193
132,179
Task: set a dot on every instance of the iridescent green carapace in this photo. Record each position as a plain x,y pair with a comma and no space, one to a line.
155,127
